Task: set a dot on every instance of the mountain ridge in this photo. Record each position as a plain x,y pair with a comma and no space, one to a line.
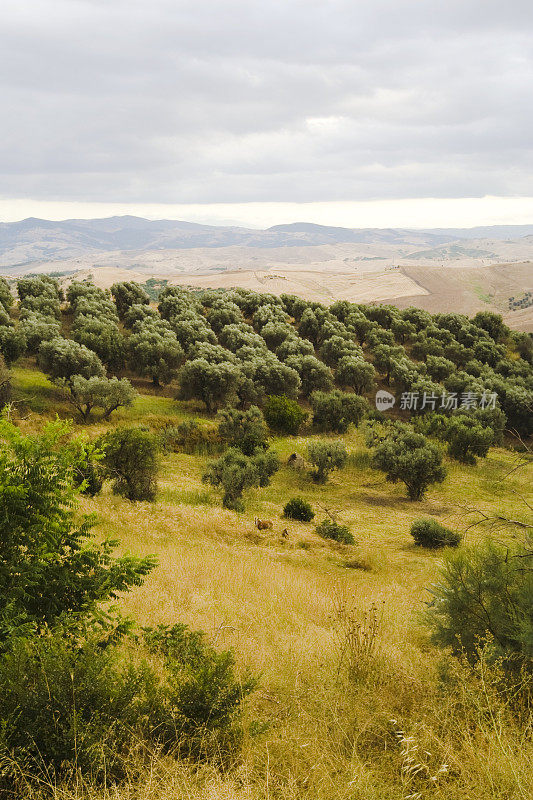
34,239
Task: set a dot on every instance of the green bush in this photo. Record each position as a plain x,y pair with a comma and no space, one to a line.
69,705
283,414
49,567
131,461
75,694
329,529
430,533
198,709
485,596
87,470
298,508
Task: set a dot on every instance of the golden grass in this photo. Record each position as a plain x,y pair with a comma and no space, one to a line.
393,731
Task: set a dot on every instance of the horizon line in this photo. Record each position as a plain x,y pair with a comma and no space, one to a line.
407,213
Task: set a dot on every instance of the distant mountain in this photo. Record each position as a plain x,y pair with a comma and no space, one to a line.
31,240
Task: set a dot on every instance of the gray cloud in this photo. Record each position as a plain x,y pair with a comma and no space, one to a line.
237,100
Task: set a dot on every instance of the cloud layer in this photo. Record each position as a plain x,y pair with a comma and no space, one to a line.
232,101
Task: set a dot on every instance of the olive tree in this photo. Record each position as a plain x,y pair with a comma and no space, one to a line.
439,368
386,357
6,297
409,457
314,374
38,286
234,472
335,411
107,394
139,313
42,304
12,343
356,373
272,376
126,294
64,358
326,457
103,337
246,430
37,329
338,347
155,351
468,439
213,384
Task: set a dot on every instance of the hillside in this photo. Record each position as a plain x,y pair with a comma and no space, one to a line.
353,699
476,268
37,239
44,242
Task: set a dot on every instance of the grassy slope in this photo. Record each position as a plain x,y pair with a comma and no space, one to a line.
281,603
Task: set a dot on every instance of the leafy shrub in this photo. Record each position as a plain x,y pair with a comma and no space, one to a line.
329,529
69,706
88,473
430,533
81,706
485,595
198,713
283,414
131,460
73,699
298,508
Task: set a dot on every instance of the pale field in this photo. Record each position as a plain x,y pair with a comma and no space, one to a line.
459,286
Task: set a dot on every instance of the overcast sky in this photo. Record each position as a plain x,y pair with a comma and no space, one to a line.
131,103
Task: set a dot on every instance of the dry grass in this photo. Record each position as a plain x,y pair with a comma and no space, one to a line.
352,701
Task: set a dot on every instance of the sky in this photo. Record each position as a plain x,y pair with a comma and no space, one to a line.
350,112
